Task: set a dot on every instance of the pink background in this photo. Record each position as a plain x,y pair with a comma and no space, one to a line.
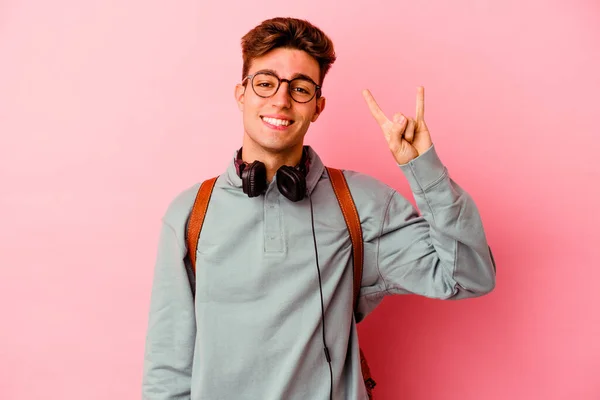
109,108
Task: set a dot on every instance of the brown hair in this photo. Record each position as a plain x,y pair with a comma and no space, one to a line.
288,33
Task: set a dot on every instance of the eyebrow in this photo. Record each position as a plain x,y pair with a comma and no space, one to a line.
296,75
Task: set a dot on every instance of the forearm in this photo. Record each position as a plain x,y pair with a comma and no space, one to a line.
455,227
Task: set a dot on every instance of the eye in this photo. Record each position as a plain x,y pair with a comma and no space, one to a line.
303,87
301,90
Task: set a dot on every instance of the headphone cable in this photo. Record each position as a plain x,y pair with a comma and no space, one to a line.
327,354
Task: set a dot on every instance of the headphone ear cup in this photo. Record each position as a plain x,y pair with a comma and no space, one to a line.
254,179
291,183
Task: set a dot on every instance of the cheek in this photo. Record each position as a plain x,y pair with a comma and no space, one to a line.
256,107
251,110
308,114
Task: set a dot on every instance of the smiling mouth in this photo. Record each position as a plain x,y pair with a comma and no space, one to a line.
277,122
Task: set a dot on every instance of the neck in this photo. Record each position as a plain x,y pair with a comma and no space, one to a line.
272,160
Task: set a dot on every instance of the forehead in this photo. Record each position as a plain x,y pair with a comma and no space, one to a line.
286,63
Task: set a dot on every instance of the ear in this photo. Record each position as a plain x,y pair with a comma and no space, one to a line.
239,93
319,108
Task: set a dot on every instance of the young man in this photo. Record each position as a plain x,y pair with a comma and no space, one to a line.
273,283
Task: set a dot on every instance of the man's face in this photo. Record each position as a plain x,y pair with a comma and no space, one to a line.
263,128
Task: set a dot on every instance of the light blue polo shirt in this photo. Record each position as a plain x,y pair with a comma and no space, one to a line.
253,330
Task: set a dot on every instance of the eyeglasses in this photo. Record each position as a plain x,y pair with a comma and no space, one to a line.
301,89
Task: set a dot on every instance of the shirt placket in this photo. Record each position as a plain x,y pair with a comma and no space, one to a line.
273,234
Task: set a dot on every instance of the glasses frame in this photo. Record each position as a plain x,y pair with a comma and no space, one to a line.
250,78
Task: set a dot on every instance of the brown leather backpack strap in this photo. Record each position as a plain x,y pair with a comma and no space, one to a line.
197,218
344,197
348,207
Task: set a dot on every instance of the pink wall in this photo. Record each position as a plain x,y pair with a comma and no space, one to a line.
108,109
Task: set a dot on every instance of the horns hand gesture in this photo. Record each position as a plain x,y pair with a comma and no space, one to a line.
408,138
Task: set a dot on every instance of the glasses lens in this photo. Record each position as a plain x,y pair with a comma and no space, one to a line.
264,85
302,90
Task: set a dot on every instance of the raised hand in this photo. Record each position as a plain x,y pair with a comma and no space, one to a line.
407,138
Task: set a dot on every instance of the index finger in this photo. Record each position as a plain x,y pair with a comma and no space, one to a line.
420,103
374,107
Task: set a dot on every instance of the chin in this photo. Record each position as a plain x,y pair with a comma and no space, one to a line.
274,142
277,147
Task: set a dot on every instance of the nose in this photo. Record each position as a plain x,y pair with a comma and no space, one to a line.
282,97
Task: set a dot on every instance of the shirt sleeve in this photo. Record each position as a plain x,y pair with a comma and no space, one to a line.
441,252
171,328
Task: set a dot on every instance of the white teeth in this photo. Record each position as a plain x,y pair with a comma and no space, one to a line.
277,122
